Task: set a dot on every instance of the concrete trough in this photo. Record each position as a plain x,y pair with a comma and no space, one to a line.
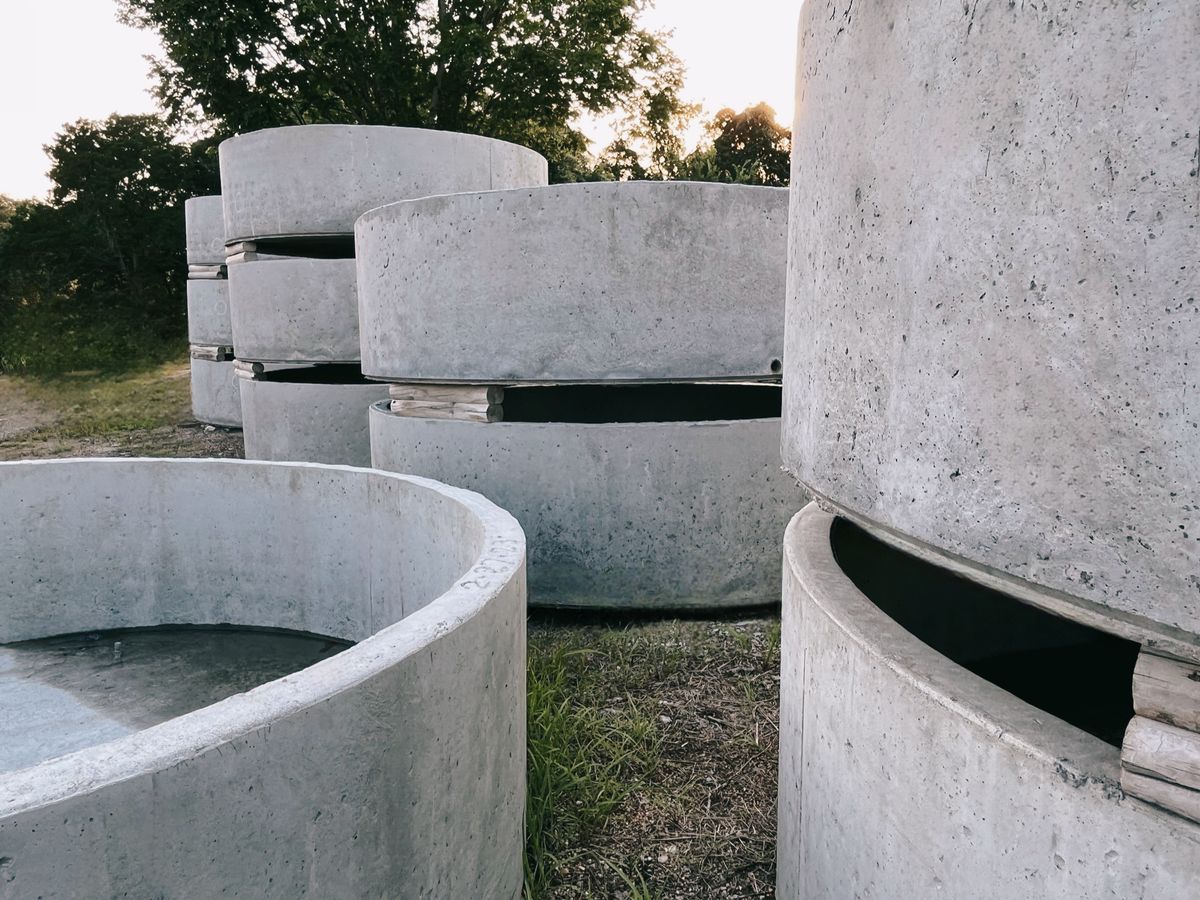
635,281
295,309
394,768
309,414
317,179
209,323
904,774
216,395
638,514
994,301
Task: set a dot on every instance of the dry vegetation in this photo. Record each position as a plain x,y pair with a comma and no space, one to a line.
652,743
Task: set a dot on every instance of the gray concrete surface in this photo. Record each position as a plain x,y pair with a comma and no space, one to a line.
994,292
905,775
216,396
324,423
208,316
395,768
664,515
317,179
204,227
576,282
66,693
294,310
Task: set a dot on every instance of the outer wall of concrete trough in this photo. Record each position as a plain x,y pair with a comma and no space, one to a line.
317,179
578,282
994,290
216,397
668,515
325,423
395,768
209,323
204,231
295,310
904,775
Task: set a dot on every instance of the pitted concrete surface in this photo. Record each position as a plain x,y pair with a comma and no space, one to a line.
294,310
58,695
393,768
209,324
576,282
323,423
317,179
216,397
665,515
204,230
994,288
905,775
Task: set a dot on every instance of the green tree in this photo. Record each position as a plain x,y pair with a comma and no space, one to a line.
520,70
96,276
749,147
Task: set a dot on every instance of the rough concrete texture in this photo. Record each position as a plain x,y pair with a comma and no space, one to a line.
204,227
209,324
904,775
395,768
575,282
216,397
643,515
294,310
317,179
994,289
324,423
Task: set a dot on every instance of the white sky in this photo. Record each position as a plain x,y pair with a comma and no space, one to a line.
62,60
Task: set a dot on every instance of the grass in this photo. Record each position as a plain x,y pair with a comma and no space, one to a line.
652,753
92,412
586,753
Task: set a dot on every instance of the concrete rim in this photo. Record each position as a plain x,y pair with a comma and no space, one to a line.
1059,746
1133,627
500,559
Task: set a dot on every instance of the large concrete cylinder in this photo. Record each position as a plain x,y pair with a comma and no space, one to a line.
295,309
214,385
204,230
216,394
992,319
994,293
632,281
394,768
317,179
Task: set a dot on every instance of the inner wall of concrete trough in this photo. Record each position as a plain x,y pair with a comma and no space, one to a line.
216,394
317,179
993,319
204,230
306,785
668,515
903,774
294,310
209,323
576,282
297,414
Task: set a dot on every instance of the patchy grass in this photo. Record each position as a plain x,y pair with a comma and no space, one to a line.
652,758
146,412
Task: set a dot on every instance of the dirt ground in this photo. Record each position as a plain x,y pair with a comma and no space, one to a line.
696,818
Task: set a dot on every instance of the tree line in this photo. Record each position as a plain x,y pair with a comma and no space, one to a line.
94,277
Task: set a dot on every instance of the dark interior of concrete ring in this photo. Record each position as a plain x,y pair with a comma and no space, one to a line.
318,246
605,403
325,373
1081,675
125,680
